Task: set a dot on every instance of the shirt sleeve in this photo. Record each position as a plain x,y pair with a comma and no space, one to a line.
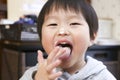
28,75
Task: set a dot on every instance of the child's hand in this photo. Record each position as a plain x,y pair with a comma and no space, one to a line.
47,67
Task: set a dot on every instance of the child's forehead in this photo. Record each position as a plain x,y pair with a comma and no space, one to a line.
63,14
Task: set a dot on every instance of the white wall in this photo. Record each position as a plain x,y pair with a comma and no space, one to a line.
109,9
17,8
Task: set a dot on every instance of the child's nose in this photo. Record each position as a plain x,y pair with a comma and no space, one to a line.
63,31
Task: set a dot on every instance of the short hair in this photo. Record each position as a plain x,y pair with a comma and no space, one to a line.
77,6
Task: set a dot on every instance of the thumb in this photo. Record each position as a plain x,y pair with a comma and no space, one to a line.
40,57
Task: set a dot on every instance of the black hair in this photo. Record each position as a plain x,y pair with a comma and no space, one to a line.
73,5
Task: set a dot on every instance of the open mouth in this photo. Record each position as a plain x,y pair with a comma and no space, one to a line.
68,47
63,45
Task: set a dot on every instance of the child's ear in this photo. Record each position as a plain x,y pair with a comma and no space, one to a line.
92,40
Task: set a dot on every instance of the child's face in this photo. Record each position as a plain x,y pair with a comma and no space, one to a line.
66,27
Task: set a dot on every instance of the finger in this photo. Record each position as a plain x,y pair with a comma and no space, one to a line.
60,52
40,57
53,65
55,75
52,54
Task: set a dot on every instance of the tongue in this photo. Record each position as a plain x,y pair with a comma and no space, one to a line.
66,54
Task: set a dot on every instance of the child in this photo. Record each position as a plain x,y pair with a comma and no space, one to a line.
67,28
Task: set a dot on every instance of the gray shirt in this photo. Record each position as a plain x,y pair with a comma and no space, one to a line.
93,70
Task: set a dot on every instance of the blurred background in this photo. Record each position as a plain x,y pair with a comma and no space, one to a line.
19,40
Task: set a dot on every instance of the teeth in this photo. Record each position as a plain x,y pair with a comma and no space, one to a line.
63,43
60,43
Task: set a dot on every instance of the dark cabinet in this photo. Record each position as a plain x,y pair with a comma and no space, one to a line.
10,65
16,57
19,56
3,9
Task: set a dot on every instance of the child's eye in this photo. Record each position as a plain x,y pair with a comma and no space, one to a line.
53,24
75,24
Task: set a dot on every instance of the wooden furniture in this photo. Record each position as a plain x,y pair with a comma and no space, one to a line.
17,56
89,1
3,9
0,59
